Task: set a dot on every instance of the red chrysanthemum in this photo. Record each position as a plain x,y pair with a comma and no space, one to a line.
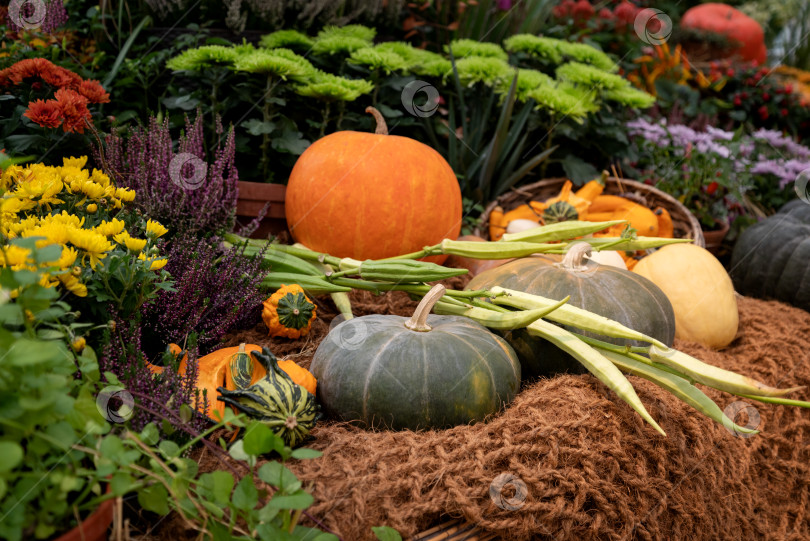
74,108
24,69
61,78
93,91
47,114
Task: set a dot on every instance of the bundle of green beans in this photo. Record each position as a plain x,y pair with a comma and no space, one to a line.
504,309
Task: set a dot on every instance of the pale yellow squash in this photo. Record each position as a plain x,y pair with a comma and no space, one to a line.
699,289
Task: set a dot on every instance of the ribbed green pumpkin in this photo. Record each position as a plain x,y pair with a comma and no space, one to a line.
419,373
608,291
772,258
561,211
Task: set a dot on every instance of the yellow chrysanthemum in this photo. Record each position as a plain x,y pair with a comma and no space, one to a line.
125,194
46,280
158,264
79,162
66,259
100,178
73,285
94,244
15,205
111,228
93,190
135,245
92,208
56,233
15,256
155,229
14,228
10,176
65,219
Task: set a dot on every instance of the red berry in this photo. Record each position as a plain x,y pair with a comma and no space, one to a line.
730,72
737,101
763,112
582,10
788,89
711,188
766,96
784,112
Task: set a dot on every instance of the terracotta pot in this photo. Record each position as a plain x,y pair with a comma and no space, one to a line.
714,238
94,527
252,198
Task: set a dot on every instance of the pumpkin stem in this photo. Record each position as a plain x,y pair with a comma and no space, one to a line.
418,321
382,128
575,257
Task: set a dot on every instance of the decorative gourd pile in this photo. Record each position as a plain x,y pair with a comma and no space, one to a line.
384,371
586,204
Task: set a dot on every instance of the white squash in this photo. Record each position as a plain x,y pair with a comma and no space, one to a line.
609,257
699,289
516,226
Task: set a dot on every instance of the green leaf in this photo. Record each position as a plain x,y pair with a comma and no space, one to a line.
150,434
154,498
277,475
303,453
169,448
12,455
386,533
254,126
298,500
311,534
121,483
260,440
219,484
577,170
245,496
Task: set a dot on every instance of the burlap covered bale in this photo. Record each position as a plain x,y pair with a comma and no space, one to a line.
592,468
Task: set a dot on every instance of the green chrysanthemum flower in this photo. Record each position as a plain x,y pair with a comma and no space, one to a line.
356,31
377,59
328,87
203,57
630,97
411,55
463,48
590,76
336,45
302,62
434,67
286,38
546,49
588,55
333,39
528,81
490,71
554,100
269,62
587,98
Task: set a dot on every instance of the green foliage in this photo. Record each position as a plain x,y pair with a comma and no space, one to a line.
44,410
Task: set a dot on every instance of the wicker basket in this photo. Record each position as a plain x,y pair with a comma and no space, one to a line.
685,225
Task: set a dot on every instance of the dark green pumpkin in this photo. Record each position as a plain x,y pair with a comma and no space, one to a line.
771,259
608,291
395,372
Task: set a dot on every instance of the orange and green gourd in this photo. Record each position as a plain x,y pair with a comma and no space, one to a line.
288,312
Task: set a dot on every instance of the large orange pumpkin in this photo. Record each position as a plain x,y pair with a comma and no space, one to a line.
372,196
735,25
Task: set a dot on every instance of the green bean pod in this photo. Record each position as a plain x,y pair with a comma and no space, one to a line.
595,362
571,315
678,386
311,284
493,250
560,231
406,270
713,376
493,319
277,261
629,245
